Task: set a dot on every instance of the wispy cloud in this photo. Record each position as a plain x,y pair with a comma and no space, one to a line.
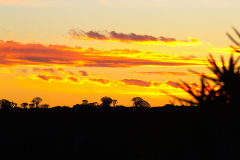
164,85
46,78
167,73
91,34
136,82
14,53
178,85
65,72
52,70
173,84
83,73
74,79
103,81
130,37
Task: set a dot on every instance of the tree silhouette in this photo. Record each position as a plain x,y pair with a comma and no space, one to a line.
24,105
84,102
44,106
139,102
114,102
36,101
93,104
31,105
106,101
6,104
13,104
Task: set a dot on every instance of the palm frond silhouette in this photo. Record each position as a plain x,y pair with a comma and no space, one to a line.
225,86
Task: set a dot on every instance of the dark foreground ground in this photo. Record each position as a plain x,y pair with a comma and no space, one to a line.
120,134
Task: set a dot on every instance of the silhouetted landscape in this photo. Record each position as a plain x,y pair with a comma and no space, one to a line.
90,132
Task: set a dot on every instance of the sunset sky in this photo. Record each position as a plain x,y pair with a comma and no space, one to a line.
69,50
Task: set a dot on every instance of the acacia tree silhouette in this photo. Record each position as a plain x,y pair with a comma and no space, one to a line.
24,105
6,104
84,102
226,83
139,102
114,102
36,101
106,101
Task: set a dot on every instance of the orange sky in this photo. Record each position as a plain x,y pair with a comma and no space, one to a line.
104,48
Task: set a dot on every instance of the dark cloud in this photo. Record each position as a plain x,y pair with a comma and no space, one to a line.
166,39
167,73
123,37
136,82
64,71
103,81
46,78
75,33
132,62
52,70
131,37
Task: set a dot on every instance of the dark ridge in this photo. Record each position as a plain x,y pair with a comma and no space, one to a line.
119,133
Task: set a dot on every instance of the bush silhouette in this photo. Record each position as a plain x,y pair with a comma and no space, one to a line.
31,105
45,106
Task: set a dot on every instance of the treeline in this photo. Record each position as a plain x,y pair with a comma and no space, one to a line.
106,103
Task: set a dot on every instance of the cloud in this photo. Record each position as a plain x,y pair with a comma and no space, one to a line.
136,82
156,83
173,84
167,73
103,81
46,78
84,73
178,85
91,34
125,62
130,37
73,79
65,72
51,70
14,53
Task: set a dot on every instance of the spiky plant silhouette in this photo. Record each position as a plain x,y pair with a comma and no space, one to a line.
226,83
206,94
